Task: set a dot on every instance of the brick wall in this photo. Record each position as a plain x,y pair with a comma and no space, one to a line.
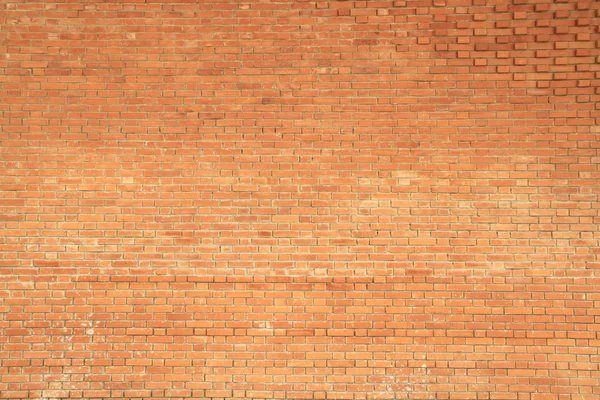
300,199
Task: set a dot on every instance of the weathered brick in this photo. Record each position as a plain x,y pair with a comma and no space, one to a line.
299,199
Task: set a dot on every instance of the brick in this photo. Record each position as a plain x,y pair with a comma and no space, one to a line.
298,199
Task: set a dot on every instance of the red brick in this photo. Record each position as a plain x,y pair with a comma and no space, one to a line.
297,199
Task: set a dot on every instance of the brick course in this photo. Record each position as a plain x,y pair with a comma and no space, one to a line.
299,199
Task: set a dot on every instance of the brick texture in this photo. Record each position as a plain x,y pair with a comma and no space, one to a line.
300,200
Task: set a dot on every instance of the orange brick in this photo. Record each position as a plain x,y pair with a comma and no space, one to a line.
298,199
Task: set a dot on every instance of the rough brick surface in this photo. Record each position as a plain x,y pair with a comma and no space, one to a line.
300,199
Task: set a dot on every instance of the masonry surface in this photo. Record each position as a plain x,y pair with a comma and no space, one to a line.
300,200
